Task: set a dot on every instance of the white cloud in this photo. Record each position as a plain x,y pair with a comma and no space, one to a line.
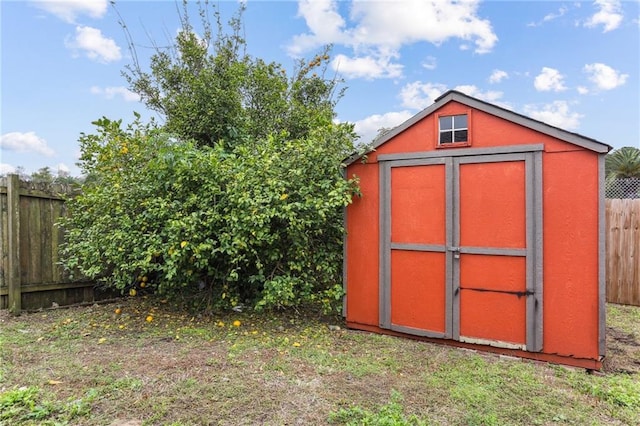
69,10
582,90
430,63
94,44
550,17
62,168
609,16
549,79
492,96
324,22
412,21
113,91
497,76
367,67
556,114
369,127
6,169
418,95
605,77
25,142
378,31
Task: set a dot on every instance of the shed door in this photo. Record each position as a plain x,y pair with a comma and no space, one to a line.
460,240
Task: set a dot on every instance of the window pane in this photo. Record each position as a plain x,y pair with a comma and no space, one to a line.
460,121
446,123
446,137
460,136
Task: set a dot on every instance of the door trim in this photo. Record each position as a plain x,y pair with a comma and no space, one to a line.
457,152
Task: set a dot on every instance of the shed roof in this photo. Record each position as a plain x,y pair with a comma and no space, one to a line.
514,117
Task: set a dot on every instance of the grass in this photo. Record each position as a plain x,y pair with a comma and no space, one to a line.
91,366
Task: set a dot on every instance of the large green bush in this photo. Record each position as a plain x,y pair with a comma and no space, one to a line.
260,223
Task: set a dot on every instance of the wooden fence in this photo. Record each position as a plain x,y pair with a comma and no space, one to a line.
30,276
623,251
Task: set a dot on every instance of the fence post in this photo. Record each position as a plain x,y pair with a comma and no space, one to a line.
13,219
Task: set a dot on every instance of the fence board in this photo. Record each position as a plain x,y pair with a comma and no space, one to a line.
47,222
57,238
4,240
623,251
13,271
34,239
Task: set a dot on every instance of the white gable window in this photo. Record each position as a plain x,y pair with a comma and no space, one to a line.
453,128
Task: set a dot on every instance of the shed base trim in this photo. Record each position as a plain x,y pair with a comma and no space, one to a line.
587,363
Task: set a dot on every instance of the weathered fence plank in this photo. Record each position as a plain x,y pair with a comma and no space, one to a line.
47,221
4,232
57,234
13,219
34,241
623,251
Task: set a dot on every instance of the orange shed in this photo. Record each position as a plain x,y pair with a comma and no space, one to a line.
481,228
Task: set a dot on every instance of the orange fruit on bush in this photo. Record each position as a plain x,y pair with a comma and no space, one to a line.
118,311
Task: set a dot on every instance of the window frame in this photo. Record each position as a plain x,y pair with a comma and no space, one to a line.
454,144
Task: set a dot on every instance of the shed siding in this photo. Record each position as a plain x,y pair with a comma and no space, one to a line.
362,247
571,254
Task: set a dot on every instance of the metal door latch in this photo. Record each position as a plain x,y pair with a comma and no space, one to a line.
456,252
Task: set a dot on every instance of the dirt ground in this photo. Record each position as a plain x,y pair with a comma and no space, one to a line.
623,352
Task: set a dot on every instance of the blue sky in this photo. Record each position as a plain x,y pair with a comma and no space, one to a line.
575,65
